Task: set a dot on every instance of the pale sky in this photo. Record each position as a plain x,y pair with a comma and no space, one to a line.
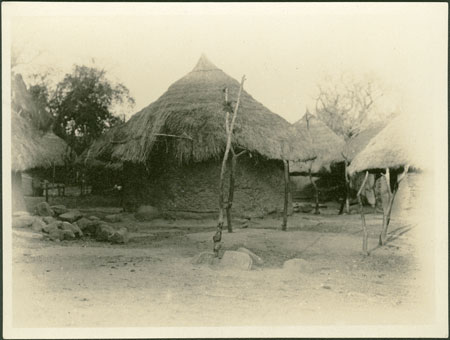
284,50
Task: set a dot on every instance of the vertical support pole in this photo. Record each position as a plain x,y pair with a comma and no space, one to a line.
316,193
46,191
286,194
363,218
231,191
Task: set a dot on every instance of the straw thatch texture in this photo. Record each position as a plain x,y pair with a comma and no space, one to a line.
402,142
193,108
31,147
326,145
357,143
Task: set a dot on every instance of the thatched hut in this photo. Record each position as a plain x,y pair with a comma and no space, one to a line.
326,148
30,146
390,155
171,150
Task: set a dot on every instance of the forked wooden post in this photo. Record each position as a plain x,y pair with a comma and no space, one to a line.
363,218
286,194
234,158
387,213
229,129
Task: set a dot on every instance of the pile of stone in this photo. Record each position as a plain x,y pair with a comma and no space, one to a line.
58,223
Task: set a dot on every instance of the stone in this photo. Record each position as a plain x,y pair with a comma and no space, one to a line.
104,232
56,235
298,266
255,258
38,225
83,223
43,209
68,235
236,260
94,218
23,221
73,228
52,226
20,213
59,209
120,236
113,218
48,219
71,216
90,228
206,257
146,213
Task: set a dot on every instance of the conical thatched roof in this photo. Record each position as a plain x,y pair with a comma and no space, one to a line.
357,143
402,142
31,147
326,145
193,108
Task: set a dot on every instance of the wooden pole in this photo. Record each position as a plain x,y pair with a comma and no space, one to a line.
286,194
387,214
346,201
316,193
46,191
229,129
363,218
231,192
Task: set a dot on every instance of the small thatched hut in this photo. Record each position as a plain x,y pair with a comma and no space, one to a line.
171,150
391,154
326,148
30,146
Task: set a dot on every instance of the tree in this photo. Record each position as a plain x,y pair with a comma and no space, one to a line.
347,105
83,105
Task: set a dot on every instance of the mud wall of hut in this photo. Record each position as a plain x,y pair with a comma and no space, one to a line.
191,191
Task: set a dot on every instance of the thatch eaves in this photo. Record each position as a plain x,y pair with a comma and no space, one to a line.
357,143
193,110
403,142
326,145
31,147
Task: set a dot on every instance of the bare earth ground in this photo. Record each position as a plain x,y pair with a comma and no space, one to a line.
151,281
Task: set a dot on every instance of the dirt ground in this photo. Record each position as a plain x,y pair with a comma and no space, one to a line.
151,281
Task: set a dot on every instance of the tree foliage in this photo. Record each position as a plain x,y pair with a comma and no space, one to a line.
82,105
347,105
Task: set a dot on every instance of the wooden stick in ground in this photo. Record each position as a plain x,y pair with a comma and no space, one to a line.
346,201
316,192
363,218
218,235
387,215
234,158
286,194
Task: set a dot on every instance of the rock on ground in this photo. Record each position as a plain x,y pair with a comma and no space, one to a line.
71,216
59,209
48,219
52,226
60,235
20,213
73,228
83,223
38,224
147,213
298,265
43,209
24,221
94,218
120,236
236,260
104,232
255,258
113,218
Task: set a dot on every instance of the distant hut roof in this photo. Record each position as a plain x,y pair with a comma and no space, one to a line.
357,143
31,147
326,145
400,143
193,108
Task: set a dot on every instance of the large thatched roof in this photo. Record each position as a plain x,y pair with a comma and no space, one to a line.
30,146
357,143
402,142
193,108
326,145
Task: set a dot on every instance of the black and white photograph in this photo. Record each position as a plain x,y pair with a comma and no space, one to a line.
222,170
